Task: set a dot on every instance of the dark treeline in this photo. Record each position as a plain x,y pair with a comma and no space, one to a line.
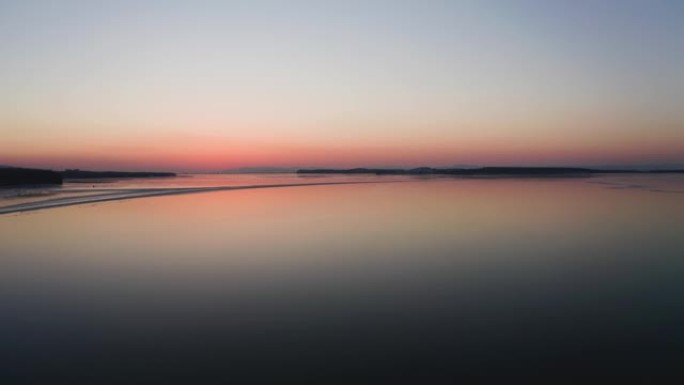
11,176
16,176
483,171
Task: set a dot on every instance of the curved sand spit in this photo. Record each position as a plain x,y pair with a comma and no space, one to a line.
141,193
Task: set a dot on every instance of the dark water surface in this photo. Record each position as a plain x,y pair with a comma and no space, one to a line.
420,281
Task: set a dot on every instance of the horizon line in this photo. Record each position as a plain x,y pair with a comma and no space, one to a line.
292,169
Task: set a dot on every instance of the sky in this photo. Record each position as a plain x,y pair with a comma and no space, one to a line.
211,85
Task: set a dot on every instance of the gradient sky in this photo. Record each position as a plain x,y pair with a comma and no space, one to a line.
200,85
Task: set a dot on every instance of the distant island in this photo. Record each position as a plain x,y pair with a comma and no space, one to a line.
12,176
483,171
17,176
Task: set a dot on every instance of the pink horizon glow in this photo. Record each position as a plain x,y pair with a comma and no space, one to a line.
196,155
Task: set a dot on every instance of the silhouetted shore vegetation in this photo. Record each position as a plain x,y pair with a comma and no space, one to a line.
13,176
483,171
17,176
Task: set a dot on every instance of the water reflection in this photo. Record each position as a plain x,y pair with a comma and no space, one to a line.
411,281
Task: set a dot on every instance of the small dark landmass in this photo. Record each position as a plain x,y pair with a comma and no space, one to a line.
483,171
80,174
13,176
666,171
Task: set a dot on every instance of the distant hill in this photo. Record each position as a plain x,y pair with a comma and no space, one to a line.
81,174
13,176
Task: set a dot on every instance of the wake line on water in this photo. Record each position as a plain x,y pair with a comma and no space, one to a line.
144,193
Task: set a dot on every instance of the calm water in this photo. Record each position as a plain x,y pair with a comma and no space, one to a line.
421,280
